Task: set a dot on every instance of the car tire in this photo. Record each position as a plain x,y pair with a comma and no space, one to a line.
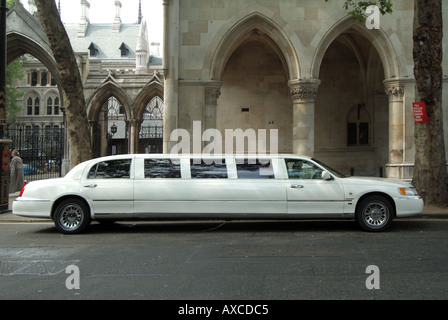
72,216
375,214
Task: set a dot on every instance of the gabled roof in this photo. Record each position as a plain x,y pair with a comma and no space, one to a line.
106,40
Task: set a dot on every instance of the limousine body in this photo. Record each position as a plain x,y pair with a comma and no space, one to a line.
129,187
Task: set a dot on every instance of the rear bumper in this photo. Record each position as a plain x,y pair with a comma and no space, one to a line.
32,208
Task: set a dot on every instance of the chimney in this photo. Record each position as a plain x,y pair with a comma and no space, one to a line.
84,22
117,21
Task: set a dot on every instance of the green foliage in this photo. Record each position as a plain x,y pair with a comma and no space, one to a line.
14,73
358,8
10,2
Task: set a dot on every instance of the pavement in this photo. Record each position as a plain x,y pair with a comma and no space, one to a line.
7,216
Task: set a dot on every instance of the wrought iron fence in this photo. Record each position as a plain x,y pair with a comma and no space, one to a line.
151,139
41,149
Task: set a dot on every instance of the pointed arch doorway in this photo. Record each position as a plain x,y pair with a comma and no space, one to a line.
111,131
151,131
255,62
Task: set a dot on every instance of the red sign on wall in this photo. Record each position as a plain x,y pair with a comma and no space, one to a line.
420,115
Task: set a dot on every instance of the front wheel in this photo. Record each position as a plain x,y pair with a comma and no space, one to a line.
375,214
72,216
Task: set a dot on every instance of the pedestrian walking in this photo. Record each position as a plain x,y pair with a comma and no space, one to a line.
17,177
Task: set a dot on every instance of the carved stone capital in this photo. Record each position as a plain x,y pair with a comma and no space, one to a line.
304,91
211,95
394,89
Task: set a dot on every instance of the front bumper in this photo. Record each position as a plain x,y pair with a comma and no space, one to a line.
409,206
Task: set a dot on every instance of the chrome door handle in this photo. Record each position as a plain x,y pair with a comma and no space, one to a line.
93,185
297,186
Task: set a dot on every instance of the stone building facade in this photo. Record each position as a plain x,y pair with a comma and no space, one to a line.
333,88
122,79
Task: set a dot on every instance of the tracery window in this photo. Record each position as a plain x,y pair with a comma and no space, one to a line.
53,106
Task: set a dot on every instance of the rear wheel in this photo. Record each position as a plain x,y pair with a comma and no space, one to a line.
375,214
72,216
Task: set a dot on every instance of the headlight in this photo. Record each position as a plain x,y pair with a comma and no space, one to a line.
408,191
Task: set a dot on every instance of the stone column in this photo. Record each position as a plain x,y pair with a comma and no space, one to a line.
212,94
303,94
395,92
134,138
93,124
170,70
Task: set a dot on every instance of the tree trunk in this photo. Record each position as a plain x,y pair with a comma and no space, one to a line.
430,175
77,123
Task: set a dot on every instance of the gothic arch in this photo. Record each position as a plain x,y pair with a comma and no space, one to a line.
102,94
252,27
25,35
152,89
378,38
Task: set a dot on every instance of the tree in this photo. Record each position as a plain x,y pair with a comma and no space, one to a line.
77,123
430,169
430,173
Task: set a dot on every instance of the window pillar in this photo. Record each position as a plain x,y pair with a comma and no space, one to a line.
303,94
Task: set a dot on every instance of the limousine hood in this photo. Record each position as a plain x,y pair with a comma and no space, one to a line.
376,181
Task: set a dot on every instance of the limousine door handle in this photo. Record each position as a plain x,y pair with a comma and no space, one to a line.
93,185
297,186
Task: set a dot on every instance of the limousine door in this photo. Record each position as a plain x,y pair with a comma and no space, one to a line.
204,189
109,186
308,193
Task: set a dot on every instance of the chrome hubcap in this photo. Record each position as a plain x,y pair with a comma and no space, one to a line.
71,216
376,214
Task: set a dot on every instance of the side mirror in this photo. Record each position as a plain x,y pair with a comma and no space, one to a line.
326,176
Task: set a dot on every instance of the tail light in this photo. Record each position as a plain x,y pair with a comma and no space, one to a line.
23,189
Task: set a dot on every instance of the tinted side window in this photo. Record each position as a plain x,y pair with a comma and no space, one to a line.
254,169
302,169
114,169
208,170
162,168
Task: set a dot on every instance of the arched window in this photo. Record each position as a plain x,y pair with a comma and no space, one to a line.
154,110
29,107
56,106
53,105
358,126
36,106
49,106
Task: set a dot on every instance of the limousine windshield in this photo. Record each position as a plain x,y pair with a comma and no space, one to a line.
330,169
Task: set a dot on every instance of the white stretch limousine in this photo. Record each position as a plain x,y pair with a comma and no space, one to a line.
130,187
